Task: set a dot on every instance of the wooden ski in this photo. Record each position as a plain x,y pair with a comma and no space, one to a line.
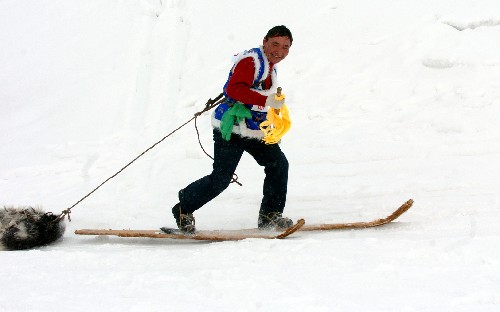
359,225
215,235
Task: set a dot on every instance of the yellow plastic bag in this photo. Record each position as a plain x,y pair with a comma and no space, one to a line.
275,126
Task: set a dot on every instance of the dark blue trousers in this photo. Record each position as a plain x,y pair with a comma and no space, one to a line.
227,155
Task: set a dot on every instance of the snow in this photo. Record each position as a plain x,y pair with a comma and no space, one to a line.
389,100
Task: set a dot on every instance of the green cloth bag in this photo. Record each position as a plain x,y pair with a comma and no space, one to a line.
236,113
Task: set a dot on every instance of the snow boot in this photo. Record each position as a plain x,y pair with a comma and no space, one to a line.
185,221
273,221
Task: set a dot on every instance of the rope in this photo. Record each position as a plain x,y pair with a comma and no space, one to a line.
208,106
234,179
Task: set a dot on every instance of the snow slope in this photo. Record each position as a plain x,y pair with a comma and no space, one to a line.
389,100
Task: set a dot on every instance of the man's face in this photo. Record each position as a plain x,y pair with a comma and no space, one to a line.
276,48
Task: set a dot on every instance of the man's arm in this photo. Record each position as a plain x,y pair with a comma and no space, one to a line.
238,87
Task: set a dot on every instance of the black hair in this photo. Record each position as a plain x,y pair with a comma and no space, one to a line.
279,31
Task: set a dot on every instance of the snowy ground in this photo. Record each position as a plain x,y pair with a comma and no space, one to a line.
390,100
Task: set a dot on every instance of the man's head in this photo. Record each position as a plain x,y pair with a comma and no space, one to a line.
277,43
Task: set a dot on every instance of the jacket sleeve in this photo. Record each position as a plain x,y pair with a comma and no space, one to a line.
238,87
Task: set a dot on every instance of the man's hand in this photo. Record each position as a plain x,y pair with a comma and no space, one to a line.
275,102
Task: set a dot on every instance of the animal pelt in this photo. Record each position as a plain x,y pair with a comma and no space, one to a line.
28,227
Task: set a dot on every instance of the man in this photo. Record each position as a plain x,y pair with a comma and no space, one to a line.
249,90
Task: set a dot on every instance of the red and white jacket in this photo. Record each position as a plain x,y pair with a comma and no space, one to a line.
251,79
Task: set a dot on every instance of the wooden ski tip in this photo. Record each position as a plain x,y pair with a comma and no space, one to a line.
404,207
360,225
294,228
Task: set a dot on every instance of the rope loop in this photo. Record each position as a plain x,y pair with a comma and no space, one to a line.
208,106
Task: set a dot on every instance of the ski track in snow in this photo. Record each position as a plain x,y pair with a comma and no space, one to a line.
461,26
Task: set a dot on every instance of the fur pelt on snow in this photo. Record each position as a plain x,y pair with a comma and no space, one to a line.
28,227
